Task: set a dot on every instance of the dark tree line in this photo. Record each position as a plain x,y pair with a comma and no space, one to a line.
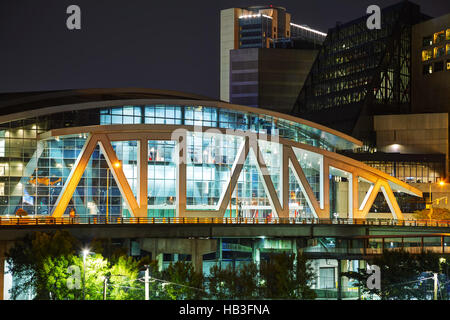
40,265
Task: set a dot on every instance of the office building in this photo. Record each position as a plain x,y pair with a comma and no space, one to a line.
251,73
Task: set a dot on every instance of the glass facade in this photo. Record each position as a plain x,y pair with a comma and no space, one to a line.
411,172
356,64
34,169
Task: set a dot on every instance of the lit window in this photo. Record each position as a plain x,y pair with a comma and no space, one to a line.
426,55
2,188
439,52
448,64
427,41
2,147
447,36
427,69
439,36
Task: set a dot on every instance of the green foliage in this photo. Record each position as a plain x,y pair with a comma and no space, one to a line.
226,283
123,276
32,259
40,264
221,282
277,277
304,277
184,282
399,271
285,277
280,277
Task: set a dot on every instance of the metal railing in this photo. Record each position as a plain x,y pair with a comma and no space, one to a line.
47,220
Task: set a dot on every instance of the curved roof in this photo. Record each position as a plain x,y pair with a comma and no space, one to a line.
20,105
43,99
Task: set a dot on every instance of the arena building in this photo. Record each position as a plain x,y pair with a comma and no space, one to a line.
151,153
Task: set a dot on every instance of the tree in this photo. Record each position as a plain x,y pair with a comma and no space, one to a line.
278,277
183,282
39,263
400,273
221,282
304,278
246,282
31,262
123,279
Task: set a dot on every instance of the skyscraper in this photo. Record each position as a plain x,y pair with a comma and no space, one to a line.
361,72
260,27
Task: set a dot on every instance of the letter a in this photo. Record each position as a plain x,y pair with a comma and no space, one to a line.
374,280
374,21
74,20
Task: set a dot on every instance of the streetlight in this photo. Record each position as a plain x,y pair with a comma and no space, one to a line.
85,253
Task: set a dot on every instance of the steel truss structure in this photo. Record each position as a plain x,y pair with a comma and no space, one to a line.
103,135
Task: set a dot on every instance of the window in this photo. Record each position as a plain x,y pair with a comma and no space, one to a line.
427,55
448,64
439,52
427,69
327,280
2,147
438,66
427,41
447,36
439,36
448,48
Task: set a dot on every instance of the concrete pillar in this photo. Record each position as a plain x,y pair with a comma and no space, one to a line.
160,258
339,282
197,256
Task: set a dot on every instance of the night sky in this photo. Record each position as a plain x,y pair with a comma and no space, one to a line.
167,44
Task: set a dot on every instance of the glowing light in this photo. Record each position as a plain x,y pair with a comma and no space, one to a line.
309,29
117,164
247,16
85,253
441,183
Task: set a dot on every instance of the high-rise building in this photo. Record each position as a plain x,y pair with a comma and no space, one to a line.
431,65
360,73
254,70
389,88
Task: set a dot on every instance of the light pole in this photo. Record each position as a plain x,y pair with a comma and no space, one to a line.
85,253
435,280
146,280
